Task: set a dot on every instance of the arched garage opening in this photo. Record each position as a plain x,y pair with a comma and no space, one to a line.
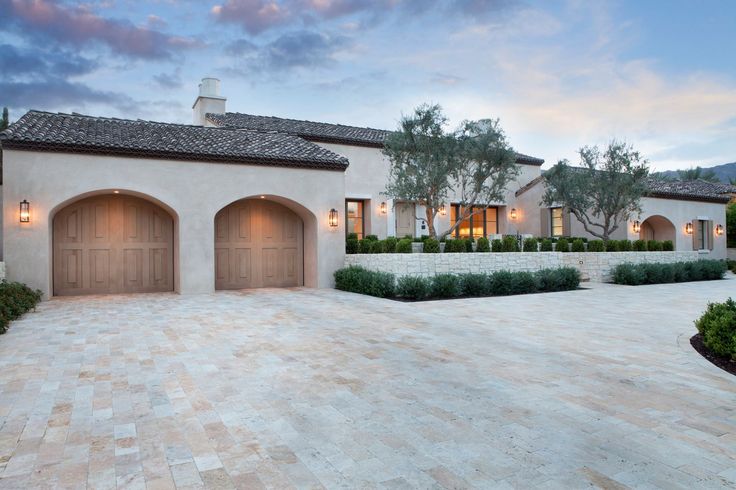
109,243
260,242
657,228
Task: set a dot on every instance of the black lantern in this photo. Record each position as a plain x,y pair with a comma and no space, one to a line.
513,213
689,228
719,230
333,218
383,207
637,226
443,210
25,211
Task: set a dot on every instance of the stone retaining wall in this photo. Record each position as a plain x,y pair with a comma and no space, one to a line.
593,266
2,271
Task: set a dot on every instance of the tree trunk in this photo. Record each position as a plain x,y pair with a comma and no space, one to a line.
429,213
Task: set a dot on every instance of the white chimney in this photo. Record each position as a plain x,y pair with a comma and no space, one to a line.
209,100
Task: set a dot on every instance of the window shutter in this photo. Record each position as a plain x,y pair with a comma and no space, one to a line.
545,218
710,235
695,234
566,231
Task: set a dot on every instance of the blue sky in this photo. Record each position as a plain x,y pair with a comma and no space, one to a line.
559,75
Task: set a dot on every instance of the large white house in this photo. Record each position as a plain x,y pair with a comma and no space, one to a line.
103,205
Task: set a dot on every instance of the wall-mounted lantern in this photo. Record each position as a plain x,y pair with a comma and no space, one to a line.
719,230
333,218
689,228
637,226
513,213
383,207
443,210
25,211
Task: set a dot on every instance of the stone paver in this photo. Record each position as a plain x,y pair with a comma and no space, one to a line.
319,388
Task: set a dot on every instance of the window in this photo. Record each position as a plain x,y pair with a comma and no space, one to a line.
354,218
702,234
556,221
481,224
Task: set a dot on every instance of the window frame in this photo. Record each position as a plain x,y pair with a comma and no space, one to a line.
552,226
482,217
361,208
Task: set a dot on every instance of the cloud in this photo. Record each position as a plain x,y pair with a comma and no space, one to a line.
55,93
16,62
169,80
255,16
80,27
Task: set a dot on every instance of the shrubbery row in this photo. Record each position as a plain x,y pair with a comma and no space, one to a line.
383,285
718,328
659,273
15,300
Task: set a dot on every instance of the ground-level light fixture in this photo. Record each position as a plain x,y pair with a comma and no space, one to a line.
443,210
25,211
383,207
689,228
333,218
513,213
637,226
719,230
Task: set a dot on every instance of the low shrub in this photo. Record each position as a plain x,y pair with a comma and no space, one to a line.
403,246
468,245
718,328
15,300
496,245
413,287
371,237
624,246
390,244
639,246
654,246
659,273
431,246
562,245
360,280
668,246
474,284
483,245
578,245
596,246
377,246
523,283
531,245
510,244
364,246
455,246
562,279
546,245
611,246
446,286
731,264
352,246
501,283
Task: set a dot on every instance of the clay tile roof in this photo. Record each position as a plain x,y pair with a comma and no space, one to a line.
44,131
319,131
698,190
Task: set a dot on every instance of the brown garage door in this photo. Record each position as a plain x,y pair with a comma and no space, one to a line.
258,243
113,244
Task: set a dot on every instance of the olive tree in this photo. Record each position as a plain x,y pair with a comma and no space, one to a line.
474,164
604,191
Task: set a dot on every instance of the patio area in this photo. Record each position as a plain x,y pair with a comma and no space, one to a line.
321,388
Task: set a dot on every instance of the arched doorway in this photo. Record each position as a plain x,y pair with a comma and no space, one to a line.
657,228
112,243
258,243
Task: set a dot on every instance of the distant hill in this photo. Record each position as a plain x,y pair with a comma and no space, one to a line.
724,172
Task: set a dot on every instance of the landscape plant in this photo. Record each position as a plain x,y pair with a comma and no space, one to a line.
658,273
598,245
578,245
483,245
446,286
403,246
357,279
654,246
497,245
562,245
668,246
431,246
531,245
413,287
15,300
718,328
546,245
510,244
639,246
611,246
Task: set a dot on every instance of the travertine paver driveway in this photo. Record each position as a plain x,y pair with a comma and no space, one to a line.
309,388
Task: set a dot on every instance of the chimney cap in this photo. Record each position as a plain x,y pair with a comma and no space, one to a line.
210,87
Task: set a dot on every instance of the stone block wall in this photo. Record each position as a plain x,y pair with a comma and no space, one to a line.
593,266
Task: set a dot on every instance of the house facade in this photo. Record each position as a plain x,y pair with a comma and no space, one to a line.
100,205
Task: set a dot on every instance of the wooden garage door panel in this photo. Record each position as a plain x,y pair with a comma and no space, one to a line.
112,244
263,244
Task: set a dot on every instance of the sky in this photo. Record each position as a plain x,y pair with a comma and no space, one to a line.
660,75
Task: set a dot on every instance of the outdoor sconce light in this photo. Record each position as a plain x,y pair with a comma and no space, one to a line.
513,213
689,228
333,218
25,211
637,226
443,210
719,230
383,207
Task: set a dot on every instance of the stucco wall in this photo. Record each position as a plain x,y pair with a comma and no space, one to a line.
193,191
595,266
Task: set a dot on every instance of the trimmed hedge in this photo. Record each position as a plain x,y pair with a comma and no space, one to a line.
411,287
531,245
496,245
660,273
360,280
611,246
455,246
718,328
546,245
446,286
668,246
431,246
578,245
404,246
624,246
510,244
639,246
15,300
390,244
483,245
352,246
562,245
596,246
654,246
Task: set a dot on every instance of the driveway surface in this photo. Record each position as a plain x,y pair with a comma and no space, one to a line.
319,388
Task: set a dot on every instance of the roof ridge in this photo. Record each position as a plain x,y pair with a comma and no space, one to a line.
301,120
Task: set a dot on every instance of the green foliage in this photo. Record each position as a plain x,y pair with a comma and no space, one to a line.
352,246
497,245
578,245
546,245
483,245
731,264
469,245
597,246
371,237
360,280
352,236
562,279
531,245
364,246
562,245
611,246
654,246
501,283
413,287
5,121
510,244
378,246
731,225
390,244
523,283
718,328
659,273
697,173
475,284
455,246
639,246
604,191
446,286
624,246
15,300
404,246
668,246
431,246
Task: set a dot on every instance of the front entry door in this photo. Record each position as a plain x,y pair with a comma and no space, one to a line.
405,219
